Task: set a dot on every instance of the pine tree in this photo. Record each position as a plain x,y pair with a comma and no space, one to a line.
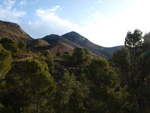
5,62
33,88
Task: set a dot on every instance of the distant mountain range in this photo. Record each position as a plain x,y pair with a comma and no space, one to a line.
53,42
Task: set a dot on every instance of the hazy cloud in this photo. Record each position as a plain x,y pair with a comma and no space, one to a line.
102,30
50,23
55,8
100,1
9,3
8,13
96,28
112,31
23,3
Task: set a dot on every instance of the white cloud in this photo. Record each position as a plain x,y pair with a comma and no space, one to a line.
137,15
30,23
98,28
8,13
9,3
48,22
100,1
103,31
112,31
48,16
23,3
55,8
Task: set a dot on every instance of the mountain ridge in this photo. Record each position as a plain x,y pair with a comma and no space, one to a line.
74,39
68,41
13,31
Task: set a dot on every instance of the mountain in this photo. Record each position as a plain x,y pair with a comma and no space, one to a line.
53,42
74,39
59,44
13,31
38,43
84,42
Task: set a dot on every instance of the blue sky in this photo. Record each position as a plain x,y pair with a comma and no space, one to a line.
104,22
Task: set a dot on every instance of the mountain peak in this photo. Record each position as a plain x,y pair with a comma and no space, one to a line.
73,32
53,38
74,36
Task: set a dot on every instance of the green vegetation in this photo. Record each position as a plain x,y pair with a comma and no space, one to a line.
5,61
11,46
37,82
22,45
80,56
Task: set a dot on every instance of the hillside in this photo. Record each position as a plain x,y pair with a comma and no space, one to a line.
38,43
13,31
84,42
74,39
35,78
54,43
60,47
